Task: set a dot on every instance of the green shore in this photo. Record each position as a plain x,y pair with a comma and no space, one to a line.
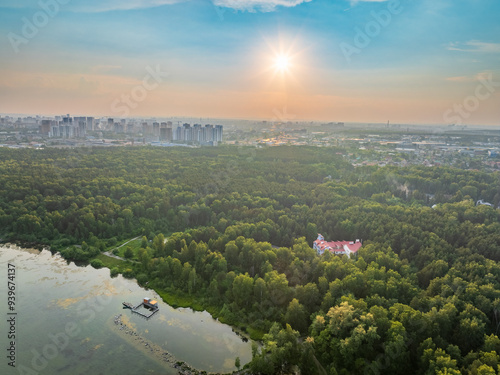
179,299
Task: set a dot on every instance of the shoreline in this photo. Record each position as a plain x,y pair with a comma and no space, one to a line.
121,326
128,333
21,244
171,299
166,296
33,249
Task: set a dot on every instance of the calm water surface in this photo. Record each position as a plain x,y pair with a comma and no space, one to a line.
65,323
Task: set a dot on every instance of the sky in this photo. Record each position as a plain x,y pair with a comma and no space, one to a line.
403,61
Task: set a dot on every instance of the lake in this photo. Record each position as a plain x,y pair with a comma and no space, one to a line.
68,322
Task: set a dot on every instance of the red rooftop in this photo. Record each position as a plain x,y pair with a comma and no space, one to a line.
336,247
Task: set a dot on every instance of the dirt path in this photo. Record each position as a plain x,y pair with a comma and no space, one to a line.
111,255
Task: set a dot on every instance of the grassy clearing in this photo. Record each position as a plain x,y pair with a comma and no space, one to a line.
118,244
255,334
135,245
113,262
180,300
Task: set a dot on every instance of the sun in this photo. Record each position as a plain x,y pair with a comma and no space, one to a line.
282,63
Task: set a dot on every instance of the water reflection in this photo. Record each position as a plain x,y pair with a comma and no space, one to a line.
53,294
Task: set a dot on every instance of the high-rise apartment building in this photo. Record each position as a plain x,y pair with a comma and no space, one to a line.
156,129
218,133
90,124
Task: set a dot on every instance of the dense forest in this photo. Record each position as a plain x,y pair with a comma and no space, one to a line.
422,295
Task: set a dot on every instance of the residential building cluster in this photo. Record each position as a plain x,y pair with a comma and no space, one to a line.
198,133
166,132
66,127
78,128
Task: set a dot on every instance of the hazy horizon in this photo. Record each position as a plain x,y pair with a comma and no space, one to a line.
422,63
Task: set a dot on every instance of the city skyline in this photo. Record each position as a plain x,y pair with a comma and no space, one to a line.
434,62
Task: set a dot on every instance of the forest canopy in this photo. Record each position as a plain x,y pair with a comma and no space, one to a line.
421,296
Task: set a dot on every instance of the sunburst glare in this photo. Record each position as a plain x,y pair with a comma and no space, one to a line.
282,63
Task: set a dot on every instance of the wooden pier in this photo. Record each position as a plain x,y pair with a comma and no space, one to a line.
150,305
135,310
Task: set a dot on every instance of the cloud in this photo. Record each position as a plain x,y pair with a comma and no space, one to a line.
104,6
475,78
97,6
92,6
354,2
254,5
460,79
475,46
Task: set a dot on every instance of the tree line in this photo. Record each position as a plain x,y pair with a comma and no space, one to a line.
422,295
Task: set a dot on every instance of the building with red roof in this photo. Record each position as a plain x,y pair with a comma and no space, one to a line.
336,247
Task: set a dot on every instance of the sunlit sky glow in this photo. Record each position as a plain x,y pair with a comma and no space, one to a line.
251,58
282,63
